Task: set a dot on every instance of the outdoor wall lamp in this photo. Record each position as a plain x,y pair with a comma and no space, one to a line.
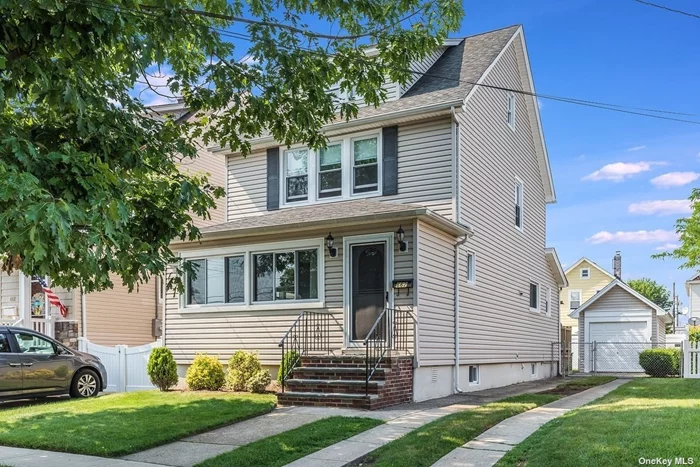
329,243
400,236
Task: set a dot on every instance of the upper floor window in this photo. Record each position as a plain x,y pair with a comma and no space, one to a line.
510,116
585,273
471,268
296,180
519,203
365,165
574,299
534,296
548,302
330,171
346,168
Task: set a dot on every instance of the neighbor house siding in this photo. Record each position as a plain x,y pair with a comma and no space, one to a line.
436,304
694,300
9,291
115,316
496,324
588,288
214,165
618,300
425,167
221,333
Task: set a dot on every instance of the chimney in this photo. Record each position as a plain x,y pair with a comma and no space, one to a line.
617,265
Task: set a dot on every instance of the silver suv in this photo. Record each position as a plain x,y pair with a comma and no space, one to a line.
34,365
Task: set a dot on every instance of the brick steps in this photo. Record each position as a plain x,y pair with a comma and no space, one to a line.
339,381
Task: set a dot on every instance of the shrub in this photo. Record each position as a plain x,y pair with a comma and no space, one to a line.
660,363
241,368
694,334
259,382
162,368
289,361
205,373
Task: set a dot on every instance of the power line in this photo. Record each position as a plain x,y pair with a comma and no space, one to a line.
672,10
639,111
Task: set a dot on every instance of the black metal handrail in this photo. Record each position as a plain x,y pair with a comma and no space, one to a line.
310,332
389,332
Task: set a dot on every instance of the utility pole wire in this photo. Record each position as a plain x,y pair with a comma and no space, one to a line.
672,10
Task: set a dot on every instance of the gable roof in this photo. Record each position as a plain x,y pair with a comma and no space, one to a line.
592,263
618,283
555,265
695,279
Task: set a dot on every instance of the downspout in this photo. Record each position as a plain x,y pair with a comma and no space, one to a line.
83,312
456,292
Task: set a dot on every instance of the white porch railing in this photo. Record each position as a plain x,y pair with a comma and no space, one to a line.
18,322
43,325
691,359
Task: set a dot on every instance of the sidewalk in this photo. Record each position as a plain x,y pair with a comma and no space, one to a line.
18,457
488,448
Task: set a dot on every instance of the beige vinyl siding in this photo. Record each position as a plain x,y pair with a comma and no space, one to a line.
215,166
618,300
694,300
436,304
496,324
9,291
661,327
117,317
425,167
221,333
588,287
420,67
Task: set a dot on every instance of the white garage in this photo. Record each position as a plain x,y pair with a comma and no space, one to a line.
615,325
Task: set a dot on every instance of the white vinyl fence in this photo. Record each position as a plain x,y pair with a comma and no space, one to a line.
691,359
126,366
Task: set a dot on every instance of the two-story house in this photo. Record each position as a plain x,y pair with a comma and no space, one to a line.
404,261
110,317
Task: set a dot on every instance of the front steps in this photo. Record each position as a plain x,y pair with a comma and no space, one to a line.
339,381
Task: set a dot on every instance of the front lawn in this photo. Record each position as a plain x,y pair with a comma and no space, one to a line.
289,446
645,418
118,424
427,444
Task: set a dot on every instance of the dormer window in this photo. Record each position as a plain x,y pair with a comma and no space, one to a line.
296,166
585,273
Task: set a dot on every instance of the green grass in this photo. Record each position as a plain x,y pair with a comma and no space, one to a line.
426,445
645,418
289,446
587,382
119,424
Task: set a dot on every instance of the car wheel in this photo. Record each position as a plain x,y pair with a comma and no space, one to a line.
85,384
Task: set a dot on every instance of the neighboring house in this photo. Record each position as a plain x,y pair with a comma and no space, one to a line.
692,288
113,316
617,323
431,206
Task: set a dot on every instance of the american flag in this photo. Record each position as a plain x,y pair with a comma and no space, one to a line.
53,298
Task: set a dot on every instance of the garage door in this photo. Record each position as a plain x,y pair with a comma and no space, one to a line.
618,345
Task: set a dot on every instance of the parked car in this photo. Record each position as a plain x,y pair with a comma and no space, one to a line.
34,365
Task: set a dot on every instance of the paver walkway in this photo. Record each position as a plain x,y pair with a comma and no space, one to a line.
488,448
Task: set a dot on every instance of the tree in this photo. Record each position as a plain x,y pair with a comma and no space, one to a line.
688,230
89,179
652,290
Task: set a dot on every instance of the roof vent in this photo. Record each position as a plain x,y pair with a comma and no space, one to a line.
617,265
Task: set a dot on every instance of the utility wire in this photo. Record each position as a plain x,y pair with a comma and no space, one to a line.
640,111
672,10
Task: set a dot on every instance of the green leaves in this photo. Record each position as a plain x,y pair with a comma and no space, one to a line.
89,181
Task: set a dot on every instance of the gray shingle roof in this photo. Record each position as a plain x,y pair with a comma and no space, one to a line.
461,63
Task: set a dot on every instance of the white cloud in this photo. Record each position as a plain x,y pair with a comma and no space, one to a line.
636,148
667,247
660,207
673,179
639,236
619,171
581,157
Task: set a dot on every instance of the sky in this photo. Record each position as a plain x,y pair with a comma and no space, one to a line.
621,180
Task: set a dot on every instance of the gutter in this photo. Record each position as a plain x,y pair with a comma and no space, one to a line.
359,121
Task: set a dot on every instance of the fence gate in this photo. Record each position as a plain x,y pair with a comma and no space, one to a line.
126,366
691,359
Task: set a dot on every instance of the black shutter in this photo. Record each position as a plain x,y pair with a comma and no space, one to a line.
390,162
273,179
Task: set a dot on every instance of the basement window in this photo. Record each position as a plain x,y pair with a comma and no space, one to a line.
473,374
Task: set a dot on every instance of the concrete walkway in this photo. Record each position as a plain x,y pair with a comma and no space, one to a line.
18,457
488,448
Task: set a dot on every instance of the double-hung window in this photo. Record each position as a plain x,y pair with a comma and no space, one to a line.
296,179
585,273
534,296
365,167
216,280
519,203
574,299
287,275
330,171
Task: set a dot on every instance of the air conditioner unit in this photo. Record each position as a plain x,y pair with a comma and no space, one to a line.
156,327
